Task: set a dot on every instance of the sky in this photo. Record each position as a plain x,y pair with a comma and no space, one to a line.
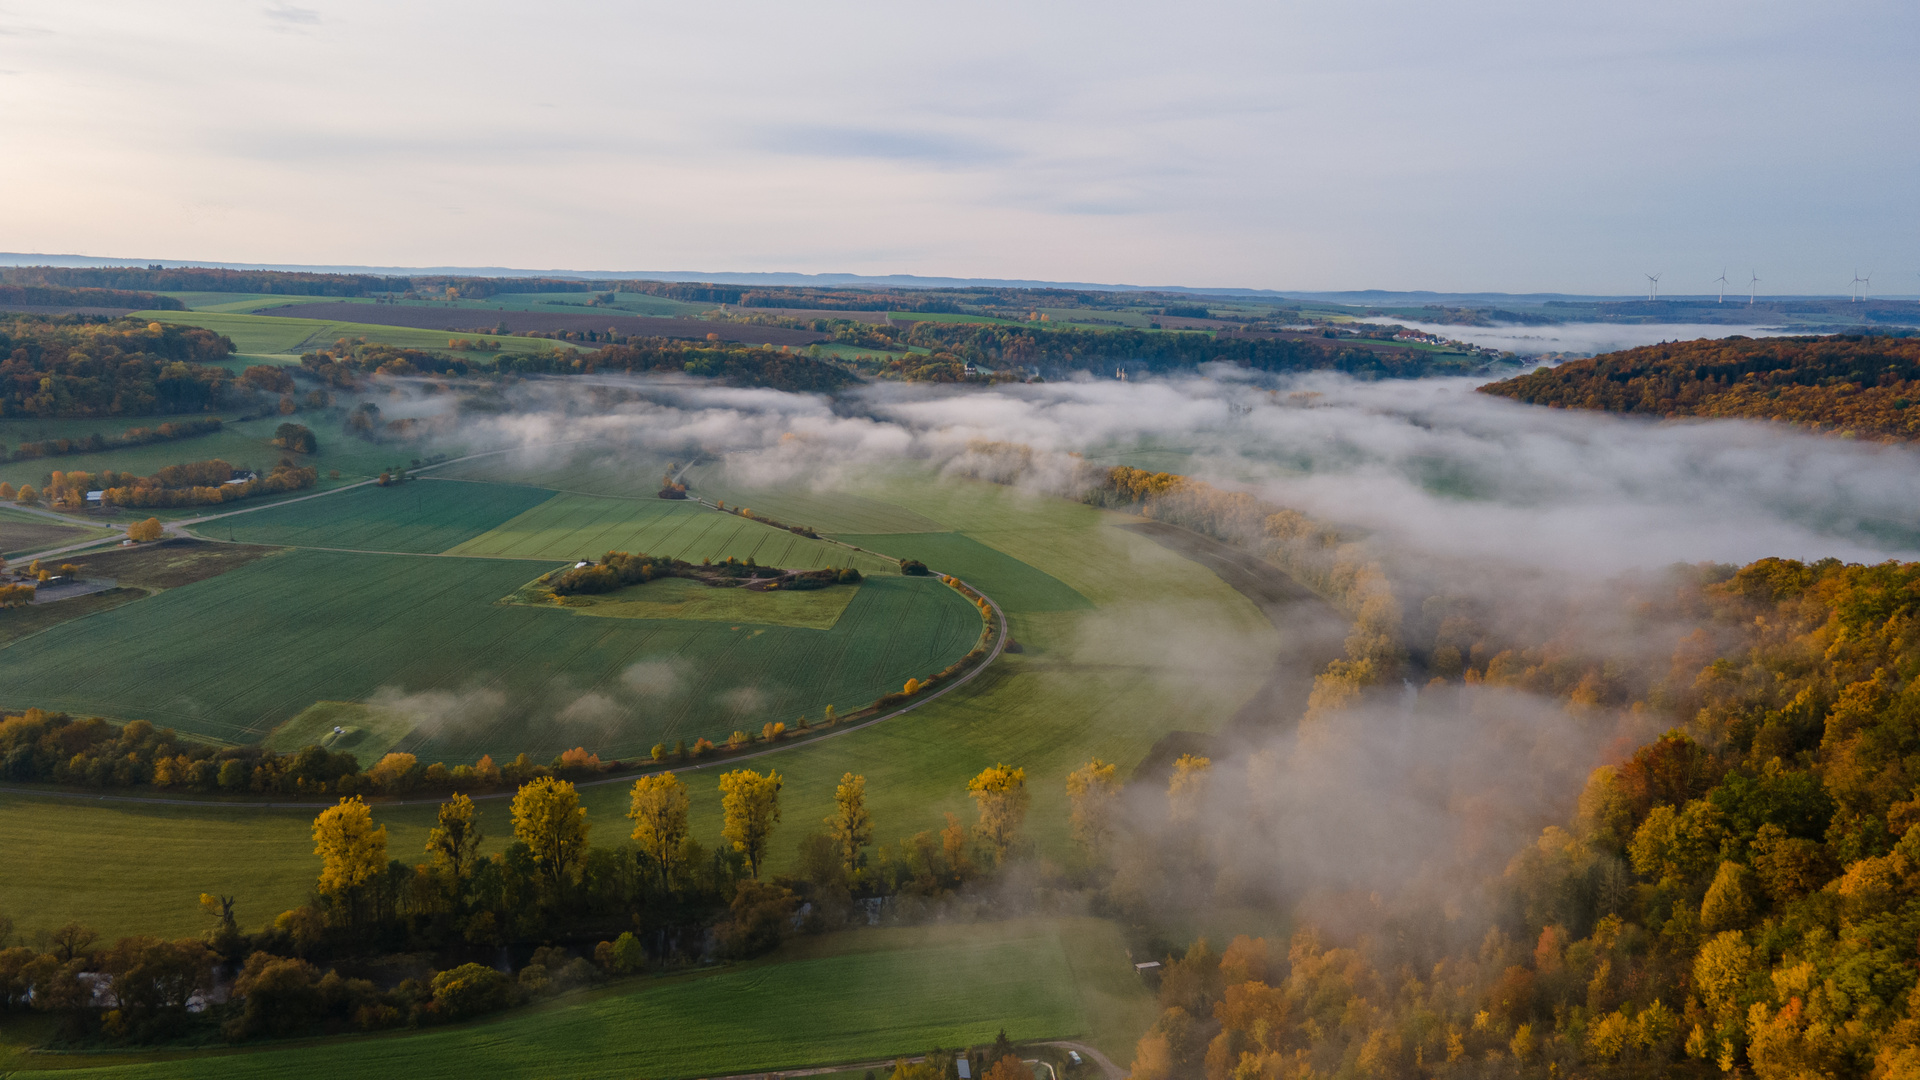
1486,145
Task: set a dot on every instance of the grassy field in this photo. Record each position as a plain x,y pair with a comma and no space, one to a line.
683,598
245,443
365,731
271,335
233,657
1165,646
826,510
427,515
570,526
857,995
992,572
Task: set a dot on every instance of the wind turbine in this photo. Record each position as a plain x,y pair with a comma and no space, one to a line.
1856,283
1750,285
1722,279
1653,286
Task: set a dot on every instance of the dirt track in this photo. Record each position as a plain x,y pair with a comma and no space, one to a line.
484,320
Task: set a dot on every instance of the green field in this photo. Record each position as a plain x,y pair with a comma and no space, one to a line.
570,526
992,572
683,598
245,443
427,515
1163,646
271,335
853,996
232,657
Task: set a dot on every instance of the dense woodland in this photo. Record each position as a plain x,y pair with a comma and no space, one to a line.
61,296
1849,384
1740,895
77,366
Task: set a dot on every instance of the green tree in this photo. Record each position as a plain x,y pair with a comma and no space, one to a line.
750,808
659,812
850,824
548,818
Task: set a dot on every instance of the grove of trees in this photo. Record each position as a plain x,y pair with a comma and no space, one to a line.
79,366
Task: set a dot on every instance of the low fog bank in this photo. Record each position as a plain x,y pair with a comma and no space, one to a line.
1588,338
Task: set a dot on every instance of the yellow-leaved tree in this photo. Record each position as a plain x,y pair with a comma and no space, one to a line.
352,853
548,818
659,813
850,824
750,808
149,529
454,842
1002,795
1091,791
1188,784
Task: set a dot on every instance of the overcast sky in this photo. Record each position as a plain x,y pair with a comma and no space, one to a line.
1513,146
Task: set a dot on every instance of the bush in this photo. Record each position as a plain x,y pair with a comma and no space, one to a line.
913,567
470,990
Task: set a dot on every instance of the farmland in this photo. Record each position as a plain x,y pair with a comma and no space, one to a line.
842,997
570,526
274,636
425,516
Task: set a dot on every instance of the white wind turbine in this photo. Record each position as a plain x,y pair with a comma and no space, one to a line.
1857,282
1722,280
1750,285
1653,286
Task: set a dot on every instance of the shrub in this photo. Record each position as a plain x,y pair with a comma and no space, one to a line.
471,989
913,567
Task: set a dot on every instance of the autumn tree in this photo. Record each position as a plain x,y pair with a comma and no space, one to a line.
750,807
1188,786
659,813
850,825
1001,793
454,842
149,529
352,852
548,818
1091,791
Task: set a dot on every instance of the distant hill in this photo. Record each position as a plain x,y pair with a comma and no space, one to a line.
1852,385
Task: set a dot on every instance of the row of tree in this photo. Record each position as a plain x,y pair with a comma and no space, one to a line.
135,436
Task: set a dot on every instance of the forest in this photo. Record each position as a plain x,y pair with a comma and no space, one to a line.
1739,895
61,296
1851,385
80,366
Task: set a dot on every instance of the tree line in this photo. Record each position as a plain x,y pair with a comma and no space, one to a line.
135,436
198,483
79,366
680,900
58,296
1847,384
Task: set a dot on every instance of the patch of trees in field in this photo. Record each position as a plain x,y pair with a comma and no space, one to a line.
80,366
134,436
619,569
348,364
1852,385
62,296
1740,896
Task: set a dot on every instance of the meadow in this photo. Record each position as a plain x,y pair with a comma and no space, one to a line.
232,657
425,516
1165,645
264,338
845,997
573,526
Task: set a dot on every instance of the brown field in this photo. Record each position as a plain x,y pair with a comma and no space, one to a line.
480,320
170,563
873,317
16,535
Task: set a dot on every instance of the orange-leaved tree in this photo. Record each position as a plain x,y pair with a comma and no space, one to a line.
1002,795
